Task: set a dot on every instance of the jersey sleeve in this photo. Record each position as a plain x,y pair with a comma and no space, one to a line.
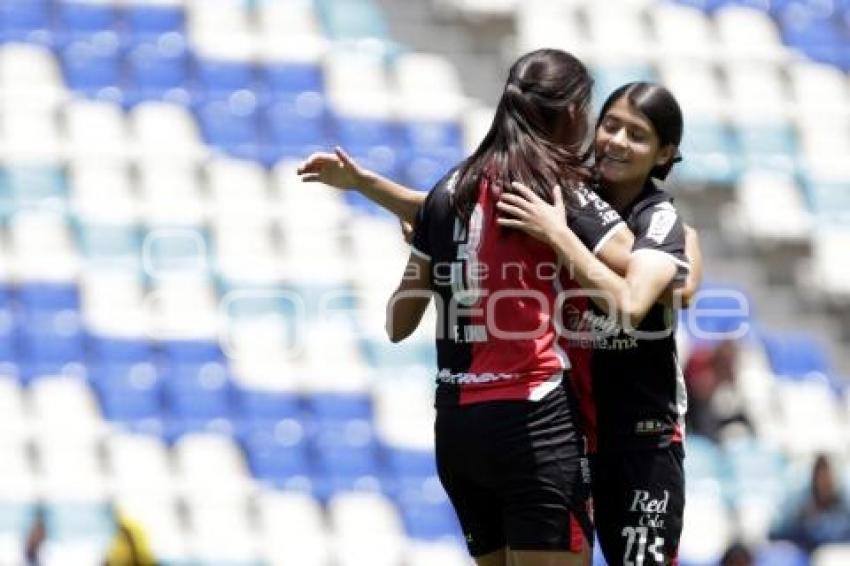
592,219
659,229
421,244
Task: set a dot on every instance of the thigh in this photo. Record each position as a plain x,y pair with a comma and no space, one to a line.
478,508
544,481
638,502
495,558
549,558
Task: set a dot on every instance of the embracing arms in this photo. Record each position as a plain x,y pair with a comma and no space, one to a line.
647,274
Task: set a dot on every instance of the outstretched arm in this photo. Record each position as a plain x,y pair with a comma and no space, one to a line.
646,277
339,170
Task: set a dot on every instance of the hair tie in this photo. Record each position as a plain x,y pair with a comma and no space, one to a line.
513,89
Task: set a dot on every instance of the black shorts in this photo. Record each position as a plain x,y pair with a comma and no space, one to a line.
516,473
638,501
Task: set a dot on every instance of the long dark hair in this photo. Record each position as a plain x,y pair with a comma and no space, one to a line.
661,109
521,144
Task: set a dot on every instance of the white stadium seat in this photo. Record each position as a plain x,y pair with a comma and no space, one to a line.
165,131
748,34
770,210
96,129
362,522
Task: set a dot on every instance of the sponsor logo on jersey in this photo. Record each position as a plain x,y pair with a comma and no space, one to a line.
662,222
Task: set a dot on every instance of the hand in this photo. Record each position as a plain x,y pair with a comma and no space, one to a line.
335,169
407,231
528,212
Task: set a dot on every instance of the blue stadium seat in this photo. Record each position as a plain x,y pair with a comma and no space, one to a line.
755,469
296,122
277,452
16,519
157,65
109,242
762,5
48,296
806,27
705,461
172,429
828,199
92,64
113,349
427,513
357,134
68,521
768,146
8,331
25,20
197,390
127,392
720,311
709,154
234,130
432,135
337,407
346,448
75,17
424,169
47,336
381,354
780,554
607,78
292,78
188,353
143,19
216,77
409,463
795,354
30,185
254,404
352,19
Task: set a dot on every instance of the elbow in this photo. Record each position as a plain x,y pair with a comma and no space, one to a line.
394,333
395,337
633,313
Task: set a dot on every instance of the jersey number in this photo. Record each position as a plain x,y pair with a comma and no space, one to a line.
466,287
641,534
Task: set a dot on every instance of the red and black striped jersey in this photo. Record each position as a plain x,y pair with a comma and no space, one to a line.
499,295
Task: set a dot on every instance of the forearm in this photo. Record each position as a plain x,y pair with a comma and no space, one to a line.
398,199
591,273
694,279
404,312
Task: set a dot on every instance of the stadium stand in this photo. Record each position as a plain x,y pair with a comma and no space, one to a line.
194,340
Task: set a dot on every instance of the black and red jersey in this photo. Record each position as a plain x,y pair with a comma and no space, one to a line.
630,382
498,294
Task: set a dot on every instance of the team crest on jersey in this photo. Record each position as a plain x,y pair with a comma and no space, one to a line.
663,220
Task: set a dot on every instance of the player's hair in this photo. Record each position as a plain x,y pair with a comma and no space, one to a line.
546,93
661,109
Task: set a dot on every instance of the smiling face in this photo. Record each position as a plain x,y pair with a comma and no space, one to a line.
627,146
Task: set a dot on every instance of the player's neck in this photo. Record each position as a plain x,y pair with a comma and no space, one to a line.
621,195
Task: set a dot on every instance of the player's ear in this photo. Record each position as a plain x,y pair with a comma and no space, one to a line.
665,154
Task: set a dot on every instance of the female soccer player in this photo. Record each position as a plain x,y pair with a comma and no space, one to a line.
509,445
639,391
339,170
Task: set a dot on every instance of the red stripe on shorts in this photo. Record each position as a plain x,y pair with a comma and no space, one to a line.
576,535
